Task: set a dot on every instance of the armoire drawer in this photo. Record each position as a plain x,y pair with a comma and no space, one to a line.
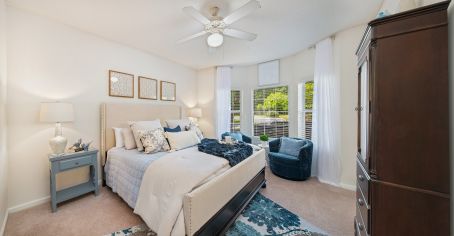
362,209
363,180
360,229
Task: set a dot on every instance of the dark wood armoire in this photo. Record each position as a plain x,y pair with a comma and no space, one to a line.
403,163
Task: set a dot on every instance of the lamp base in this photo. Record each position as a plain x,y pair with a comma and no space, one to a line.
58,144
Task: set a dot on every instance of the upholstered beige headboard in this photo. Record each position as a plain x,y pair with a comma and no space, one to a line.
118,114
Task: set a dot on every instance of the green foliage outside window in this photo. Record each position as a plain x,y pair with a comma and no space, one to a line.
271,112
308,95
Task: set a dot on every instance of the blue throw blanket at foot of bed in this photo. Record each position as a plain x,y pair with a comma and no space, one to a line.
234,153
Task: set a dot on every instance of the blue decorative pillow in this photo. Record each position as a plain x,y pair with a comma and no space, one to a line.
237,136
174,130
291,146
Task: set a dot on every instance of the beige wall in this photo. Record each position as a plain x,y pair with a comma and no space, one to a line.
49,61
345,60
3,152
207,101
396,6
300,68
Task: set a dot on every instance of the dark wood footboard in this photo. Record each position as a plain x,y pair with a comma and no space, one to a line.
224,218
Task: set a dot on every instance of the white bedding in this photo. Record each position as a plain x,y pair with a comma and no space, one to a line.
124,171
165,183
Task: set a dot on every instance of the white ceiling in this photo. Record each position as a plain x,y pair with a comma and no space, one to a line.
284,27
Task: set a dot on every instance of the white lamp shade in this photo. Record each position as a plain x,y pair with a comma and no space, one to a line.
56,112
195,112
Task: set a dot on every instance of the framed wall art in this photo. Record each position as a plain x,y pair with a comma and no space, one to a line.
121,84
148,88
168,91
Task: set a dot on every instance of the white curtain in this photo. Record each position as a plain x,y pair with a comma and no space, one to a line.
223,88
326,116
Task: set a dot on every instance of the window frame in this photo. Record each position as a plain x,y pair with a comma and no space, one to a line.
253,107
302,110
239,111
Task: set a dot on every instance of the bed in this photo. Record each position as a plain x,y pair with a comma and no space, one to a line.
208,209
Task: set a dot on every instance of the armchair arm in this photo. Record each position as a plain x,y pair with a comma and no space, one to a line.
274,145
246,139
224,134
306,151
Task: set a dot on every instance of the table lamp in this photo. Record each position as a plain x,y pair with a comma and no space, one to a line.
57,112
195,113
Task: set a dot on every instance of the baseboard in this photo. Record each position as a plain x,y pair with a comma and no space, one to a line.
341,185
35,202
348,186
2,229
29,204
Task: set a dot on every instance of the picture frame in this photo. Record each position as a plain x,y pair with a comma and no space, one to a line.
121,84
148,88
168,91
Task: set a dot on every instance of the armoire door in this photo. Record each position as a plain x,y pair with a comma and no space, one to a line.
363,113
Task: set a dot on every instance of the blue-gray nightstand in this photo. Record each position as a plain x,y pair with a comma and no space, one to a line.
69,161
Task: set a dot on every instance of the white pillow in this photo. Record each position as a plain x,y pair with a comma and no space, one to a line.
118,137
144,126
182,139
128,138
195,128
182,123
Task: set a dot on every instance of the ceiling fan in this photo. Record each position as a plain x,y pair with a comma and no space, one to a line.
217,26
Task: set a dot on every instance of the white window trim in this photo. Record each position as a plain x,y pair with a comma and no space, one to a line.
252,105
241,107
301,109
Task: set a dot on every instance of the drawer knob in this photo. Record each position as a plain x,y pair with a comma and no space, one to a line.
360,202
360,226
361,178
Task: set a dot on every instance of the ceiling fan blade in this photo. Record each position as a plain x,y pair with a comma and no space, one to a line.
242,12
196,15
192,37
240,34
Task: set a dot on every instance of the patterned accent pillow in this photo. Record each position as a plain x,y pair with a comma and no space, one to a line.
194,127
153,140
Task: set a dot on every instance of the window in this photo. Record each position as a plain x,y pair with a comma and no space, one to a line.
235,115
305,102
271,111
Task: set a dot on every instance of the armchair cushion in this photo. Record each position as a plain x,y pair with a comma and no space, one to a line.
291,146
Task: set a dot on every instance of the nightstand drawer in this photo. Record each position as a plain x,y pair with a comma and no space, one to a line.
76,162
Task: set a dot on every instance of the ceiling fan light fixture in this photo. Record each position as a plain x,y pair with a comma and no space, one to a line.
215,40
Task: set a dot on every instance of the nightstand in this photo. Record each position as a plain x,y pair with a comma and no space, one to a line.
267,150
69,161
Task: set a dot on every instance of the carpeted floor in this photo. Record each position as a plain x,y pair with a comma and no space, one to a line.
261,216
329,208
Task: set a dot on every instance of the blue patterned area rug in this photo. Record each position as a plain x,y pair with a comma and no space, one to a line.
261,217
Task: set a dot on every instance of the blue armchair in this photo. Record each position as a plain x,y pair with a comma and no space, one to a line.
244,138
288,166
